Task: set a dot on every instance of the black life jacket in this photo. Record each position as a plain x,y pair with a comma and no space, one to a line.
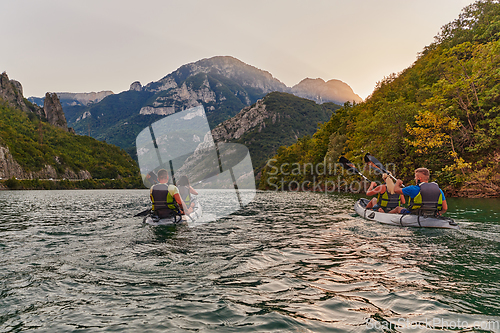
164,204
388,201
429,198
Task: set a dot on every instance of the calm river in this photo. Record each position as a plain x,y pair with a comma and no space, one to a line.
288,262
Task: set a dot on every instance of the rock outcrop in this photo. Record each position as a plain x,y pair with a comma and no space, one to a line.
136,86
11,91
54,111
249,118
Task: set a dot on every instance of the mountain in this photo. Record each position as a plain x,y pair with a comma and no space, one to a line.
442,113
276,120
320,91
75,99
11,92
35,143
74,103
223,85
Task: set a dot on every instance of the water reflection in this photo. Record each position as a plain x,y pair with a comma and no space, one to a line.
287,262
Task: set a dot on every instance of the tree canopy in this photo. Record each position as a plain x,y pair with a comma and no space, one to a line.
442,112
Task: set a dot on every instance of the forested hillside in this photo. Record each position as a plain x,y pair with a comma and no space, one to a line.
32,148
441,113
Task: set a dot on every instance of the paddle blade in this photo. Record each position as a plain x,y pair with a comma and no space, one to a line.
348,165
371,158
143,213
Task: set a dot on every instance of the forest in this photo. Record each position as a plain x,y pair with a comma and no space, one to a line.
442,113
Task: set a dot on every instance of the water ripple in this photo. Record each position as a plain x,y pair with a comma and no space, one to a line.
289,262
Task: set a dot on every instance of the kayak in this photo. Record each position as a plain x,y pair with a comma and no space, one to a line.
167,221
175,220
403,220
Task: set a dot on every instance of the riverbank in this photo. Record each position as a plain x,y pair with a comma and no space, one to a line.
474,189
65,184
471,189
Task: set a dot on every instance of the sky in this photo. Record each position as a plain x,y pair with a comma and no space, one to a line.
95,45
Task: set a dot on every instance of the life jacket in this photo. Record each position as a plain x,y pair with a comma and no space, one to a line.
164,204
388,201
429,198
185,195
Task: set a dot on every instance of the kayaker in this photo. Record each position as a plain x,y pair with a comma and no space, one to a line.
186,190
385,202
165,198
424,196
151,179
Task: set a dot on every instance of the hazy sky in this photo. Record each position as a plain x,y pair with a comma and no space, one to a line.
90,45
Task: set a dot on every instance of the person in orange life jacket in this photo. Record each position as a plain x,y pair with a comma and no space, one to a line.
165,198
186,191
423,195
385,201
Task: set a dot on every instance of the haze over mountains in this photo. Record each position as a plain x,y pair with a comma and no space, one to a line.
223,85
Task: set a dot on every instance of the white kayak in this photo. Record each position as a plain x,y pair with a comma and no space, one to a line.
175,220
403,220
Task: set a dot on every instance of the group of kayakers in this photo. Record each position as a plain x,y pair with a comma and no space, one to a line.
169,200
424,197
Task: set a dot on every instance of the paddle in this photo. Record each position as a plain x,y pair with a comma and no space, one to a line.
350,167
374,163
143,213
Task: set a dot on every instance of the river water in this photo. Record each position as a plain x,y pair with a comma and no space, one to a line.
288,262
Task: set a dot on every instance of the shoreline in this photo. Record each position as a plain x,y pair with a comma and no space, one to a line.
471,191
66,184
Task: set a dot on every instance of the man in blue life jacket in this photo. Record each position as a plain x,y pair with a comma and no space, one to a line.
165,198
385,202
425,197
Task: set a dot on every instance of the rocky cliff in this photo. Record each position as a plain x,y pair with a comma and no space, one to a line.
11,91
11,94
249,118
54,111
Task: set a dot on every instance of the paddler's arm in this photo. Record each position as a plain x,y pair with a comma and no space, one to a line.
372,191
192,191
445,208
445,204
397,187
179,201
